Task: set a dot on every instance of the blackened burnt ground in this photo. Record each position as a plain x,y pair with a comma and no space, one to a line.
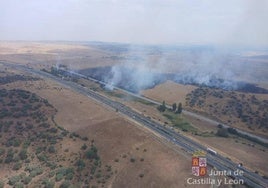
126,78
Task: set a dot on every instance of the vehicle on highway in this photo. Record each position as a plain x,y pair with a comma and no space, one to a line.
211,151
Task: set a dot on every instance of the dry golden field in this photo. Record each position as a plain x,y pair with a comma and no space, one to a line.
118,140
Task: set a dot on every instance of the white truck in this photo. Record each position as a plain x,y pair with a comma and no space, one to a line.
211,151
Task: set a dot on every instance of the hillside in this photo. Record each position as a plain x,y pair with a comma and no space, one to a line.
240,110
74,130
32,146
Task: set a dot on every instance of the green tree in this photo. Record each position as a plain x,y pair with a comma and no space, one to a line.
80,164
92,153
179,109
174,107
162,107
84,147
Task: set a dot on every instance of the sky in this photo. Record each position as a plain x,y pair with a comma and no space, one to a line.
224,22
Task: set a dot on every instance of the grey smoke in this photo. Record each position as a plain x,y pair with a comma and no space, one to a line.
206,67
142,67
133,78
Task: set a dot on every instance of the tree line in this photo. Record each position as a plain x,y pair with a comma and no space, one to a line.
175,108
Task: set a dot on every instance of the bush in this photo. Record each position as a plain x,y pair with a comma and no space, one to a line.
2,151
65,184
51,174
84,147
59,176
80,164
162,107
67,172
42,157
13,180
27,180
92,153
48,184
16,166
51,149
9,157
69,176
16,143
23,154
2,184
18,185
34,171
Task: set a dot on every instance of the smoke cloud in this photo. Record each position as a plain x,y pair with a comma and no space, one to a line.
144,67
198,66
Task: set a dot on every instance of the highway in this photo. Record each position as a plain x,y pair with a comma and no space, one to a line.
217,161
186,112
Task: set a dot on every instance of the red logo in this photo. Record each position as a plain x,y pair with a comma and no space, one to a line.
199,163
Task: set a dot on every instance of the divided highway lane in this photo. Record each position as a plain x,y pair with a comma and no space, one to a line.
218,161
206,119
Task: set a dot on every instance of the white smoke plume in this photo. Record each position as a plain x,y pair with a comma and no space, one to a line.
195,66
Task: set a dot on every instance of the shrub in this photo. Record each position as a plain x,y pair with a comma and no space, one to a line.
23,154
84,147
92,153
27,180
13,180
51,174
51,149
48,184
34,171
65,184
80,164
2,151
18,185
69,176
16,166
9,157
26,144
42,157
2,184
162,107
59,176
